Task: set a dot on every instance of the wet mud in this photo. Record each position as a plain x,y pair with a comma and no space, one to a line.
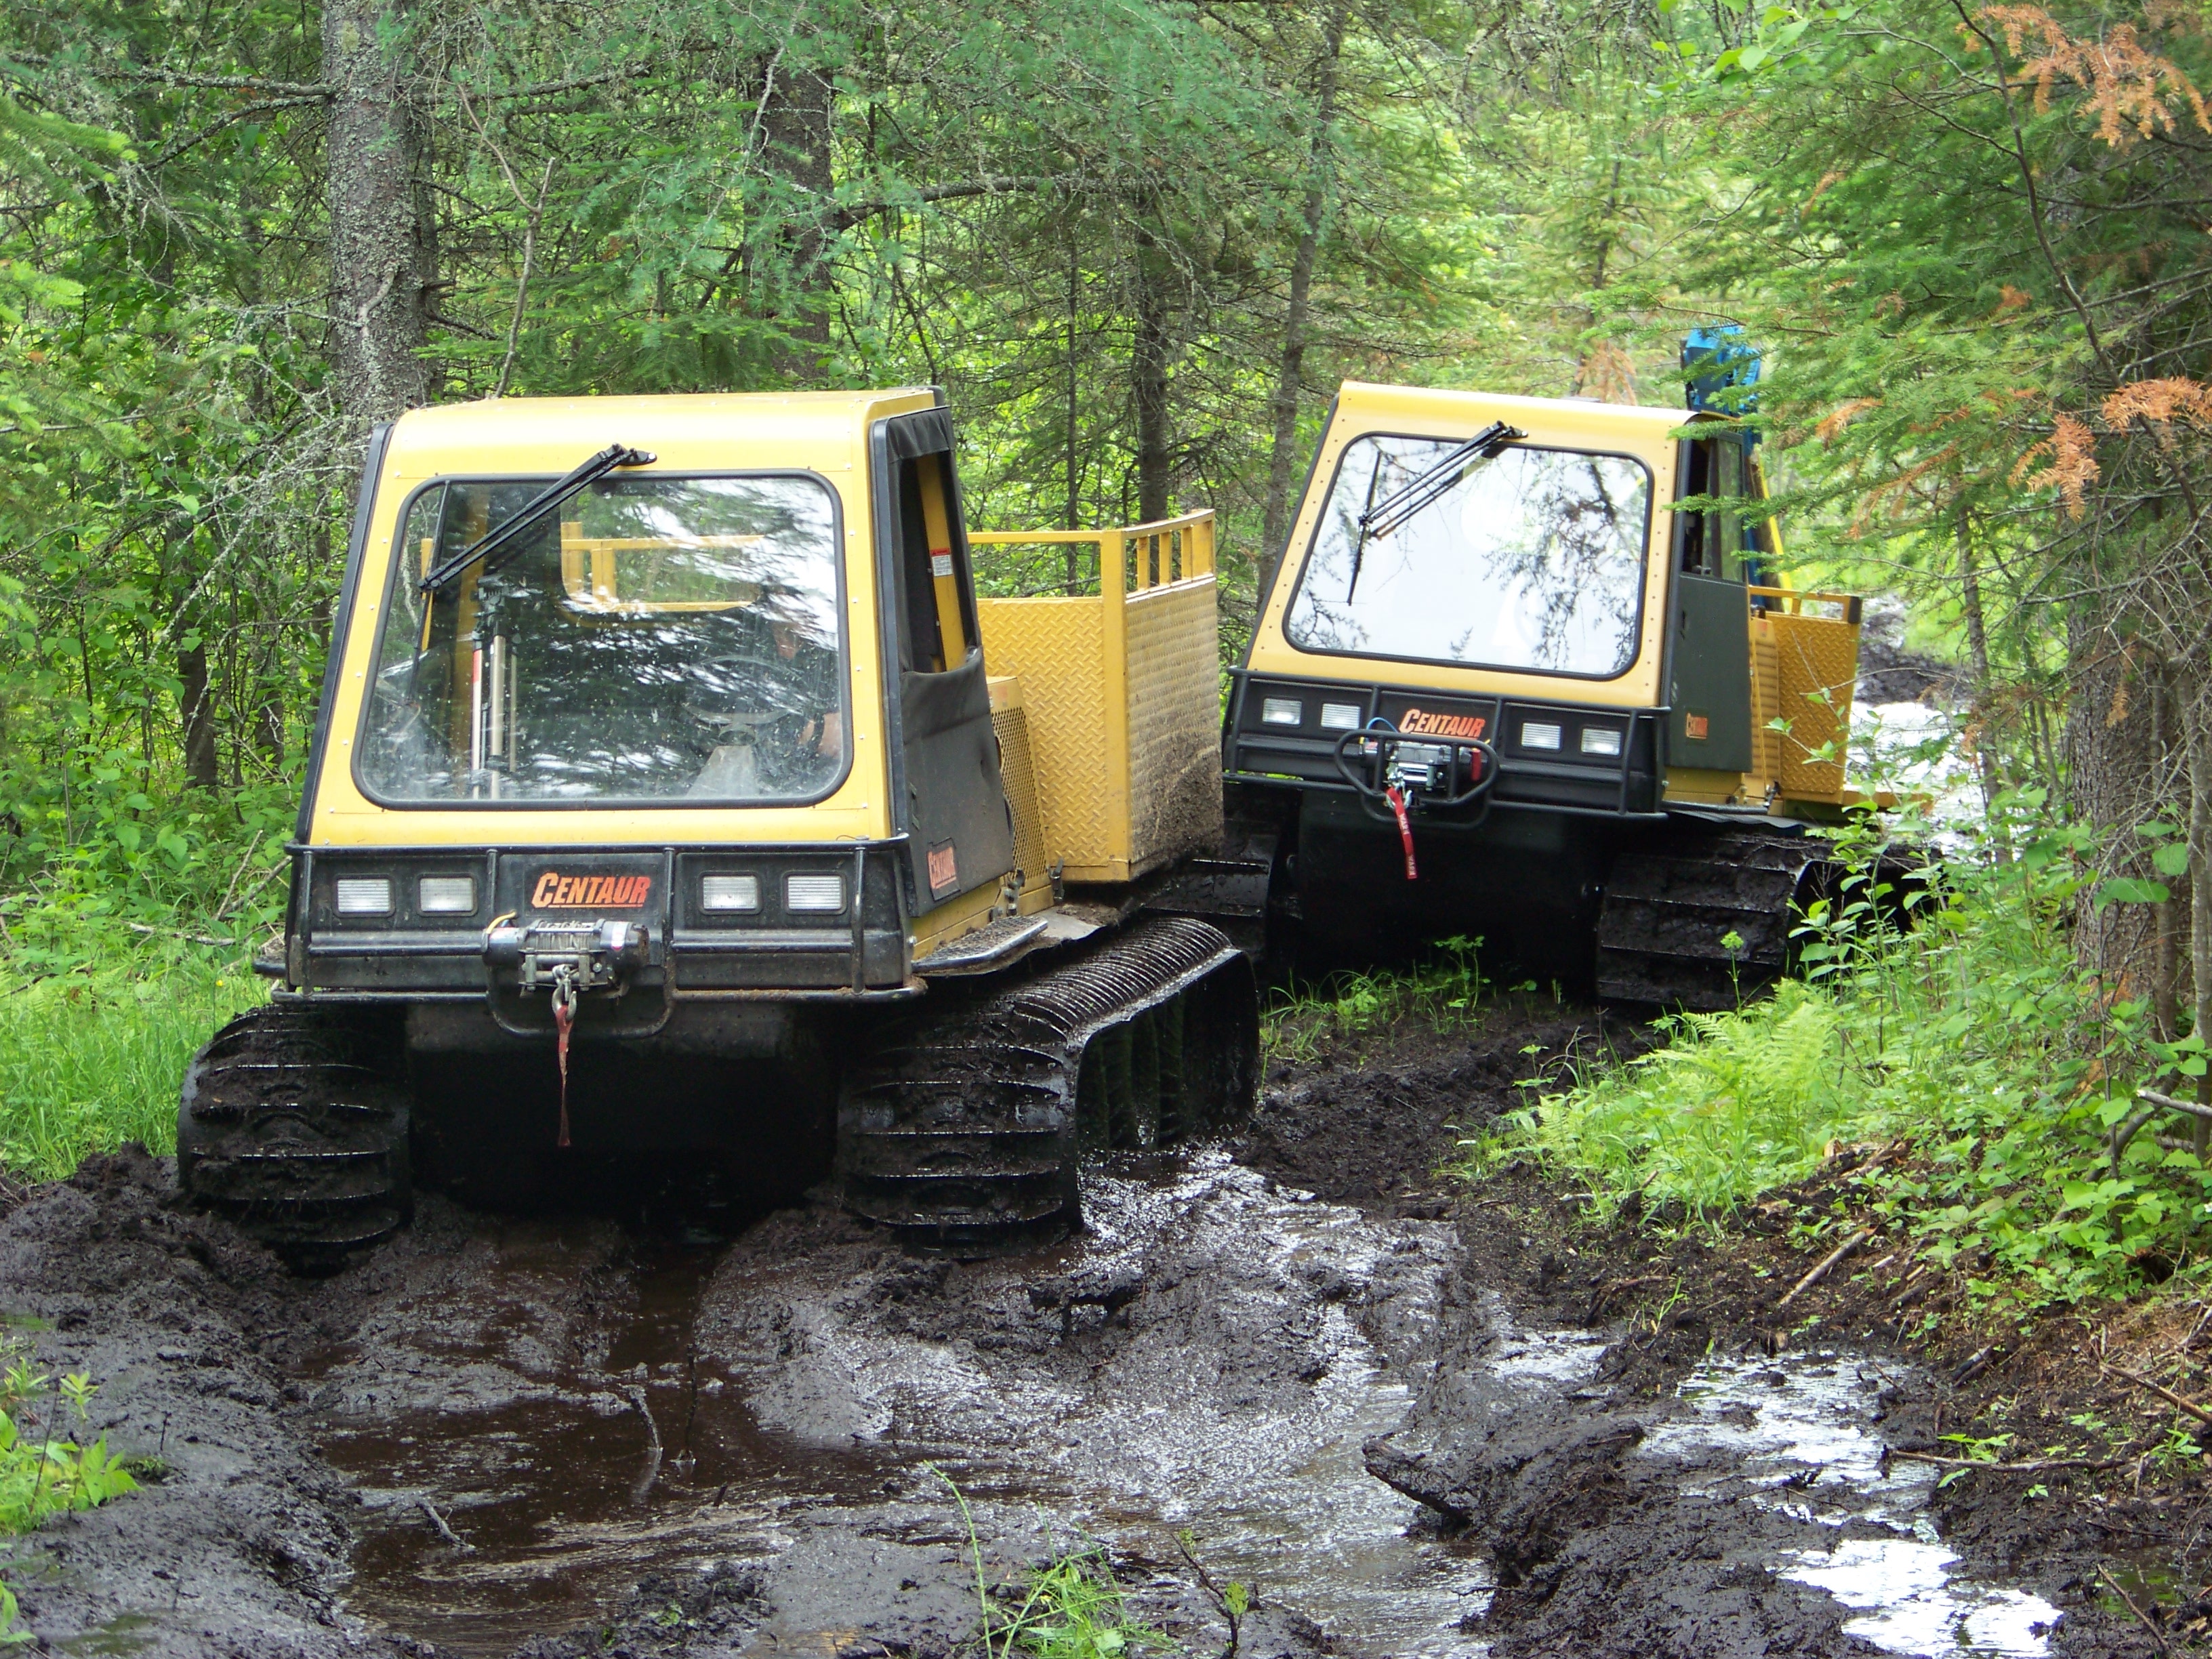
1414,1418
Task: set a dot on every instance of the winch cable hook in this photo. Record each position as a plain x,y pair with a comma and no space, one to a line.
1396,797
565,1019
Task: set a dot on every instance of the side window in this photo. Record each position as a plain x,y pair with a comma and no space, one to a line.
933,581
1724,540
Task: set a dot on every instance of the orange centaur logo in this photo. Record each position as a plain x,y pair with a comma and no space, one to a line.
555,891
1421,723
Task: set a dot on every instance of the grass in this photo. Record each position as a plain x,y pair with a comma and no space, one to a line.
1071,1608
1968,1046
1445,994
91,1058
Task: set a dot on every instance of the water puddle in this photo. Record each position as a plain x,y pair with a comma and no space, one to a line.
516,1485
490,1522
1796,1434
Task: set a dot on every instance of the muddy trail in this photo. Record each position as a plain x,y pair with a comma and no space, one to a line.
1414,1417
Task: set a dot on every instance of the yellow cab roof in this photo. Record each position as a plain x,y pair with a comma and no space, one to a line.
720,429
1367,406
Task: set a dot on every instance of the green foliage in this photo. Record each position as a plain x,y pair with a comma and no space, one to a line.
90,1059
1972,1035
40,1475
1446,993
1072,1608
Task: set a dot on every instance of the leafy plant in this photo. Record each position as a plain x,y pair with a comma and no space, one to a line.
1072,1609
43,1476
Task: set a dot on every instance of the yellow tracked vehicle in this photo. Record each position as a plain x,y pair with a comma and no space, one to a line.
1502,685
674,800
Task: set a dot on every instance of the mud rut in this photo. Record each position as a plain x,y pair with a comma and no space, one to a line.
560,1437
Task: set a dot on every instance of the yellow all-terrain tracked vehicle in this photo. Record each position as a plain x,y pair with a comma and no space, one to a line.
1501,686
674,797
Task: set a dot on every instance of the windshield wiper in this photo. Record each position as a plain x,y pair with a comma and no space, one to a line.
575,484
1433,480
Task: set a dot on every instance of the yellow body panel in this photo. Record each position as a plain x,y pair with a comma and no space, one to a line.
1813,661
1123,705
825,432
1411,411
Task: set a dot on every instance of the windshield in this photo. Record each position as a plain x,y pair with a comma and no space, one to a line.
1531,560
662,638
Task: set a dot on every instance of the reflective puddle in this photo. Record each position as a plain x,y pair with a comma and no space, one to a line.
1796,1434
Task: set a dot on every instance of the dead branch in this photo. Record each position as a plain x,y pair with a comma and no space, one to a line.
2143,1619
1827,1263
2031,1466
2199,1411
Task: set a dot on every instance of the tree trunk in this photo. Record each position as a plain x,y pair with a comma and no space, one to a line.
2111,763
2195,723
1977,655
379,273
1290,376
201,766
796,106
1148,374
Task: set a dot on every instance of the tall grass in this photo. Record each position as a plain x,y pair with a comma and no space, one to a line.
1968,1044
91,1058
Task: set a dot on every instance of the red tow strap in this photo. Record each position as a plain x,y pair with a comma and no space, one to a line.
564,1016
1397,800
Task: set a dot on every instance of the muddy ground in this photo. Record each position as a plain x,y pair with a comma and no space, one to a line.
1413,1415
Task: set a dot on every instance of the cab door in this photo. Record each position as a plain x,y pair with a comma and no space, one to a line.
1709,620
946,795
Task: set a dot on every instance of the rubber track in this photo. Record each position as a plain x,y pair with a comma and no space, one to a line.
293,1123
961,1121
1668,908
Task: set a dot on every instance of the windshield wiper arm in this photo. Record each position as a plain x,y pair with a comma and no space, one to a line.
553,495
1434,480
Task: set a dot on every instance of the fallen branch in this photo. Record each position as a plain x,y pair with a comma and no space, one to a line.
171,932
2032,1466
1827,1261
444,1531
2200,1413
1606,1293
2143,1619
1976,1365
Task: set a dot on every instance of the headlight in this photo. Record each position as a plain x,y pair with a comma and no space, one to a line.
364,895
814,892
1600,740
729,892
1539,735
1340,717
447,895
1282,711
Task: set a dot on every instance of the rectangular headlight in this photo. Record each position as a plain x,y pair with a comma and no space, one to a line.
1600,740
1282,711
447,895
814,892
1340,717
364,895
1535,734
729,892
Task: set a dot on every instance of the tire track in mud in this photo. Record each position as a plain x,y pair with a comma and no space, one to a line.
560,1435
